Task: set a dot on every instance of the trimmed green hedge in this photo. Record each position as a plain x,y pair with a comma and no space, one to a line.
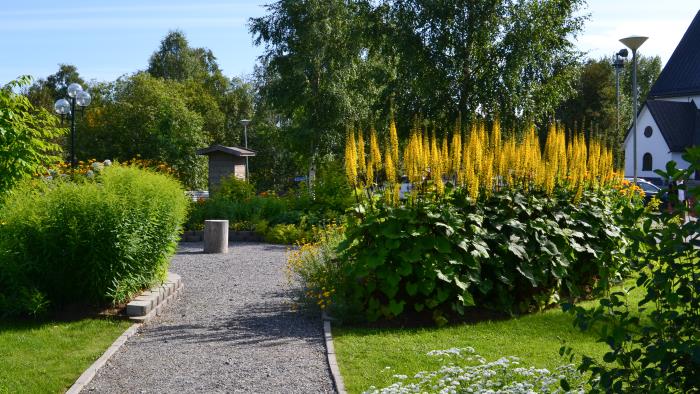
96,241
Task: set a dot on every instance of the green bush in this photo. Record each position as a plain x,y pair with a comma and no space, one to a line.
26,135
288,219
655,345
100,241
234,189
512,252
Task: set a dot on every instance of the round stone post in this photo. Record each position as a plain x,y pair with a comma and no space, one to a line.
216,236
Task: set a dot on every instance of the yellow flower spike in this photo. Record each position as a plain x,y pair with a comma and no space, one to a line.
351,158
375,153
362,167
456,150
394,141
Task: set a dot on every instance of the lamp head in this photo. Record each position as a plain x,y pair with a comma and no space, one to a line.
73,89
245,122
62,107
83,98
633,42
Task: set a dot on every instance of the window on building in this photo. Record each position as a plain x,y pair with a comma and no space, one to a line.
647,162
647,131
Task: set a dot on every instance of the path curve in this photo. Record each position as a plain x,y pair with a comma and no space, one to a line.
231,330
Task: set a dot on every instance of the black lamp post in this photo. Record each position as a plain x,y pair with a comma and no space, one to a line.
618,64
79,97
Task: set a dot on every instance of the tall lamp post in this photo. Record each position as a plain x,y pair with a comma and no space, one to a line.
633,43
79,97
618,64
245,123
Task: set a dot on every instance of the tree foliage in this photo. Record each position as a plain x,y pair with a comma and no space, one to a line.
45,92
315,69
327,63
146,117
26,132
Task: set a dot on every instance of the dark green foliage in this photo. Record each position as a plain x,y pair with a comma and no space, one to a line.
90,242
26,132
511,253
280,219
655,345
234,189
146,117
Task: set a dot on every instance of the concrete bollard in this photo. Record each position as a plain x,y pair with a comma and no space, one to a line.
216,236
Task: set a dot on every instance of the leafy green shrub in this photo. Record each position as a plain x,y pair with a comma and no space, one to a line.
234,189
286,234
655,348
102,241
511,252
26,133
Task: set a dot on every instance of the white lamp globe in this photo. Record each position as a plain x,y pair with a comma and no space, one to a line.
83,98
62,107
73,89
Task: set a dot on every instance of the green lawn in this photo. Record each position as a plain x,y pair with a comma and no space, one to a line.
47,357
363,354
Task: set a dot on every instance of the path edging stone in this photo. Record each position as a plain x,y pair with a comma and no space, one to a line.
86,377
158,297
330,355
151,302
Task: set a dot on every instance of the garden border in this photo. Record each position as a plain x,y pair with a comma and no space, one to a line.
161,299
330,355
86,377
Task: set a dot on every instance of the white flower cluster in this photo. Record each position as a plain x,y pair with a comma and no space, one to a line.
474,375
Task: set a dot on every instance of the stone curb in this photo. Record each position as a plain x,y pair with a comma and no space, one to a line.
89,373
330,355
151,302
156,298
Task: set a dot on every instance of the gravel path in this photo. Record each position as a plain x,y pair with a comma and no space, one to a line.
231,330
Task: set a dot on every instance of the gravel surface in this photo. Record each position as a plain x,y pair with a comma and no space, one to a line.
231,330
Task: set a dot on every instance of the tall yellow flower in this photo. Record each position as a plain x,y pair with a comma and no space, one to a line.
389,167
362,168
394,141
445,163
351,158
374,151
436,166
456,149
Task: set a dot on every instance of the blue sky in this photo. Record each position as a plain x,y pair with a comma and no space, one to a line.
108,38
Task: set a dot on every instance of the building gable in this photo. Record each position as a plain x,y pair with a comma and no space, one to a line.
681,75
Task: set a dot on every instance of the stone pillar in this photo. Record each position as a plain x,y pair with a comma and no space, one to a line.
216,236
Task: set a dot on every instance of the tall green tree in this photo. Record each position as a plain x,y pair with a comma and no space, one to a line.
328,64
222,102
146,117
45,92
506,57
26,132
594,102
316,69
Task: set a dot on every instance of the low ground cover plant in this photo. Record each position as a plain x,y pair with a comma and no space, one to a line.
492,224
465,371
99,240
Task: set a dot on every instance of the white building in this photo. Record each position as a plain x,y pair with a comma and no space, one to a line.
669,121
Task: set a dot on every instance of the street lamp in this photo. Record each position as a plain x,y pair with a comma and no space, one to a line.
633,43
77,96
618,64
245,123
